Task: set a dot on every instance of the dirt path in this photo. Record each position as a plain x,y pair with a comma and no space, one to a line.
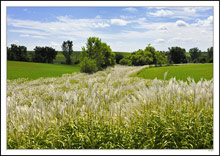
124,71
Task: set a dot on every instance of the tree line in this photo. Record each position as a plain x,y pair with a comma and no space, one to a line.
97,55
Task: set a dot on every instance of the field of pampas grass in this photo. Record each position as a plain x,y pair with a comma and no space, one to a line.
109,110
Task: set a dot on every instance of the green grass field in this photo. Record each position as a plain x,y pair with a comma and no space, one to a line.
32,71
181,72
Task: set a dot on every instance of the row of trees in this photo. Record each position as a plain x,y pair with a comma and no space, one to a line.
97,55
41,54
175,55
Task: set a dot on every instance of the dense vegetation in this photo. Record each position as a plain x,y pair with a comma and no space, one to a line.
96,56
109,110
44,54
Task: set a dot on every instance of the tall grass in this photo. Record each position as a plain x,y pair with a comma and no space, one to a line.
109,110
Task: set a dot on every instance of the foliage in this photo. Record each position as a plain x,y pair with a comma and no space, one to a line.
210,54
152,50
141,57
67,48
44,54
177,55
125,61
118,57
98,51
88,65
195,54
108,110
17,53
160,58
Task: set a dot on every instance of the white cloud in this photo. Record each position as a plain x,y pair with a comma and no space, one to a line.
160,40
181,23
162,13
206,22
130,9
25,35
119,22
162,27
40,37
55,44
189,10
101,25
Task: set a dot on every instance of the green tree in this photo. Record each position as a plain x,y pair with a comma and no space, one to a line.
177,55
118,57
141,57
17,53
160,58
67,48
125,61
210,54
152,50
44,54
98,51
195,54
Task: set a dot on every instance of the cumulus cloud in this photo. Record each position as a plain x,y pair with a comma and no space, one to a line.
206,22
162,13
119,22
130,9
181,23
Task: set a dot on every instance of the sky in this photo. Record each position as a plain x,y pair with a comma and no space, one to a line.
125,29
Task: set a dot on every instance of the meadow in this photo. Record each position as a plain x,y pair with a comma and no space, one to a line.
29,70
109,110
181,72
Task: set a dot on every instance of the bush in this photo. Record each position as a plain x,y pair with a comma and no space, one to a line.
125,61
118,57
88,66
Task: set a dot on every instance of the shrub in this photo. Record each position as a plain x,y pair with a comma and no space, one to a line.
125,61
88,65
118,57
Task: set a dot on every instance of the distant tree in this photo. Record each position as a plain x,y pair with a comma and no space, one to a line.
125,61
160,58
118,57
67,48
177,55
141,57
44,54
195,54
152,50
98,51
210,54
17,53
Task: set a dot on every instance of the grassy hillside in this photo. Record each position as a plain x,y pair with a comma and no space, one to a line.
16,69
181,72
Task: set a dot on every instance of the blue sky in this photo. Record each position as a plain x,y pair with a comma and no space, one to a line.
125,29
